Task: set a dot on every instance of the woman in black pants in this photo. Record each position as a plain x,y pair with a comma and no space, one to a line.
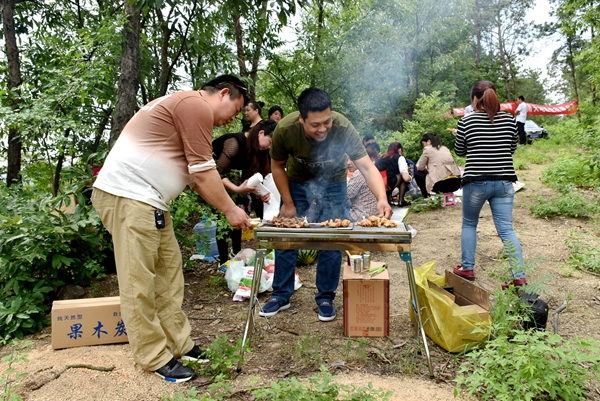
249,153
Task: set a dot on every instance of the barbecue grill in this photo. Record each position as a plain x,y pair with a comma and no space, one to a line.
354,238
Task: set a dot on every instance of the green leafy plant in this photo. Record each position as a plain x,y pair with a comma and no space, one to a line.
571,170
568,204
319,388
582,254
424,205
224,358
356,350
9,378
308,351
42,248
531,365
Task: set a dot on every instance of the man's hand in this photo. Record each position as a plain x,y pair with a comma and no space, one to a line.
287,210
384,208
238,218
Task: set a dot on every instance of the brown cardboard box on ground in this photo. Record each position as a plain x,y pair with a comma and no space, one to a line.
466,294
366,303
89,321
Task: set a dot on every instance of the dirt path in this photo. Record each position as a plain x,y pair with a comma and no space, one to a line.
296,340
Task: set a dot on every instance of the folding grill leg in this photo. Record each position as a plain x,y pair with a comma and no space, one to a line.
259,265
407,257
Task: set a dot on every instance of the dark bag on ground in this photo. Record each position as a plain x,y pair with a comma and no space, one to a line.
538,313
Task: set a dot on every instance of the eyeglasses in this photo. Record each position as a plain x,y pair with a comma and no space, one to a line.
224,85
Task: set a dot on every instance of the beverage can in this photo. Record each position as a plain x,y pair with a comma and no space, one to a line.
357,264
367,260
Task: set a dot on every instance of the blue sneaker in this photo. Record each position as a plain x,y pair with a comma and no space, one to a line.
272,307
326,311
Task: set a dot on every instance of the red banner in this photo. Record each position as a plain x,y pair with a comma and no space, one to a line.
532,109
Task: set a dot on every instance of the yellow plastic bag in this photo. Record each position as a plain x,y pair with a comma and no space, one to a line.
449,325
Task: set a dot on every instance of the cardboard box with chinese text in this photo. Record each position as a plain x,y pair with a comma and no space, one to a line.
366,303
89,321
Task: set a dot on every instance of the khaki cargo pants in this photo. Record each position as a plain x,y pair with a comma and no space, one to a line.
149,269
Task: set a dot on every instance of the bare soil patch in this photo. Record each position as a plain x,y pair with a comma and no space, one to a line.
293,342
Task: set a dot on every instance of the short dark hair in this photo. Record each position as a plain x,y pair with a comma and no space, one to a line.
368,137
522,98
313,99
373,150
274,109
235,85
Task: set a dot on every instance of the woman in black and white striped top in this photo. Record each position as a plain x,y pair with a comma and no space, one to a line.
488,138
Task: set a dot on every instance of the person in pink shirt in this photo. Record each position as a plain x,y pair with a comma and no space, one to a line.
165,147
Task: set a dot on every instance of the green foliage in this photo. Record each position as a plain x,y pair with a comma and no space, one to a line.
42,248
568,204
430,116
572,171
526,365
424,205
319,388
356,350
308,351
224,358
9,380
217,283
529,366
583,254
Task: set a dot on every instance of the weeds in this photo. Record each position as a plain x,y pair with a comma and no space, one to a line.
224,358
531,365
570,171
319,387
423,205
582,254
9,378
308,351
568,204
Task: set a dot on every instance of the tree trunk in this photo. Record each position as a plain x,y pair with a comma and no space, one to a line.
478,34
262,25
503,61
593,85
59,164
320,19
164,54
571,63
239,43
129,81
100,130
14,82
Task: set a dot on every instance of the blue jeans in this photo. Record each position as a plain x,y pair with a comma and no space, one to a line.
501,195
319,201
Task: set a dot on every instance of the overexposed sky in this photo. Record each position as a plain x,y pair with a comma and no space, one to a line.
542,48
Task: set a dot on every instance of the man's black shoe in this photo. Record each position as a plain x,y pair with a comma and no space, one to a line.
175,372
196,354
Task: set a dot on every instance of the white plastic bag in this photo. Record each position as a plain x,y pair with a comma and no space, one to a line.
245,286
233,275
271,210
270,269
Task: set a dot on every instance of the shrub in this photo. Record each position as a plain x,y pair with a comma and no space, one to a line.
42,248
10,380
582,254
571,171
568,204
531,365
